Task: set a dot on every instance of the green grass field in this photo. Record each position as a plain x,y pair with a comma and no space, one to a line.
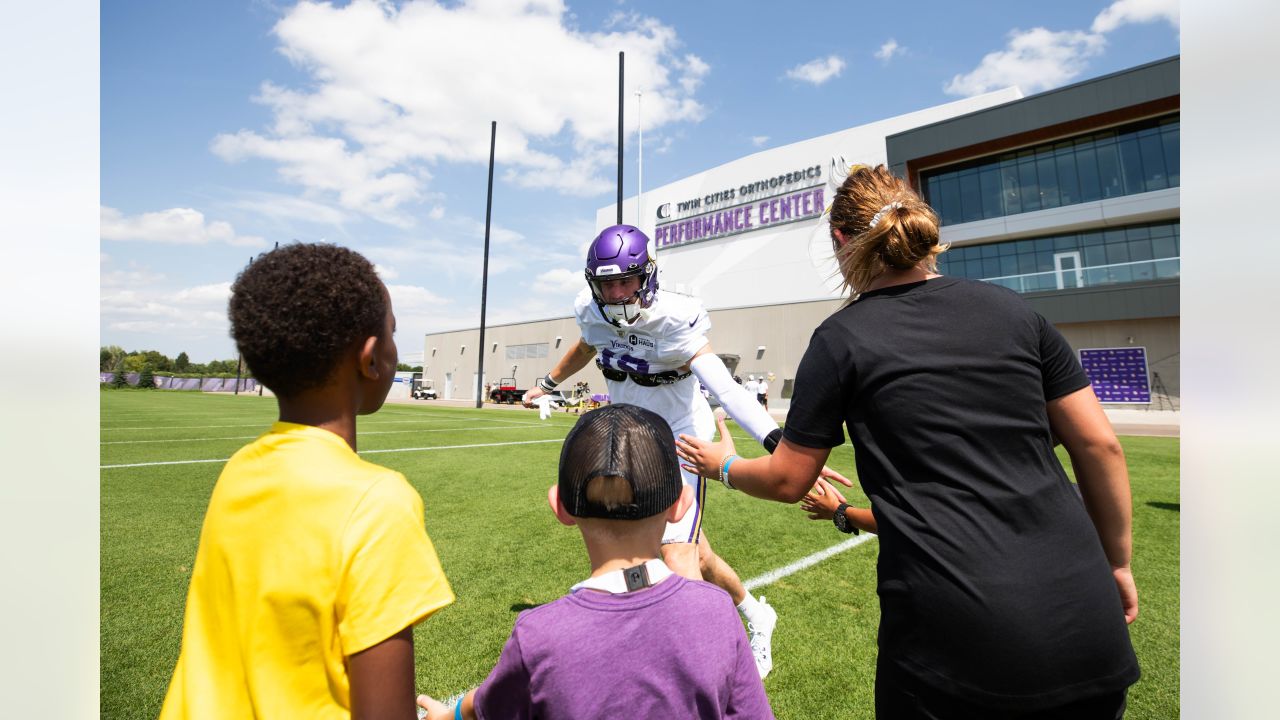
504,551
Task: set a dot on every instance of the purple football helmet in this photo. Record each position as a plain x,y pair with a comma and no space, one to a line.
618,252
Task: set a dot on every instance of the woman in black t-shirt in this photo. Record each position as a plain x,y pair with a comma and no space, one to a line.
1001,593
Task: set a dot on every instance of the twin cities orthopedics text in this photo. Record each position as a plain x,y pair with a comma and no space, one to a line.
748,216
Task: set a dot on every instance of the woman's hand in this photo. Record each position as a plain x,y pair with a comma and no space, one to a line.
1128,592
704,457
821,502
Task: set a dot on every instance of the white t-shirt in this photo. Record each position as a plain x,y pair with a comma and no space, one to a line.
762,387
751,386
675,327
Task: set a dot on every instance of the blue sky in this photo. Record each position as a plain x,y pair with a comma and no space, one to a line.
227,127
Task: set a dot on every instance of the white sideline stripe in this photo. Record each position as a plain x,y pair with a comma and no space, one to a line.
364,452
775,575
259,424
359,434
460,447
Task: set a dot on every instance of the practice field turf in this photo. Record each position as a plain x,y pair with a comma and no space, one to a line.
483,475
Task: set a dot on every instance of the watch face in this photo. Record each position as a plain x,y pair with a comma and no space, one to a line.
840,519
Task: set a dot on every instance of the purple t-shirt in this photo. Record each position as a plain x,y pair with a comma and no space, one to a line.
675,650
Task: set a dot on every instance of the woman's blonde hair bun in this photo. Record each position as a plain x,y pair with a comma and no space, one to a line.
885,225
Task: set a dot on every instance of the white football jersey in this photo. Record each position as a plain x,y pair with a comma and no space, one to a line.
674,327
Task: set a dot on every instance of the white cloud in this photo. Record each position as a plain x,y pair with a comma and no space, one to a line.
385,272
436,213
559,282
133,277
213,295
817,71
278,206
418,311
1124,12
361,181
888,50
1040,59
1034,60
414,298
133,301
393,88
198,312
759,140
177,226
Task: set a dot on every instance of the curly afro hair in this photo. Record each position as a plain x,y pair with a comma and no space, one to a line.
295,310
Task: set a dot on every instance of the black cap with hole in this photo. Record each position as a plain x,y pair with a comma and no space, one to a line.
624,441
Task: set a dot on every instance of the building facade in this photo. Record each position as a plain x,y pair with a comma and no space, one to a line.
1069,197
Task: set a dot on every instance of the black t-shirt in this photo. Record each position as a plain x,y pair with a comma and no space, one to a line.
993,584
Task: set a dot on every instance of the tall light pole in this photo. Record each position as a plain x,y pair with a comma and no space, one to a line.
484,281
621,97
640,163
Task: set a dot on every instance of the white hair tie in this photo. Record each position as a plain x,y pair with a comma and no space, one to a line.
878,216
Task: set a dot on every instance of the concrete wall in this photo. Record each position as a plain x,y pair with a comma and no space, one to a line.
783,330
1160,336
453,367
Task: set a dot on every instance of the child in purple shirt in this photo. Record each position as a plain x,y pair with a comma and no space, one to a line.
633,640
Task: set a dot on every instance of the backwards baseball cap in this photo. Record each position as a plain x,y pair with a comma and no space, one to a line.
624,441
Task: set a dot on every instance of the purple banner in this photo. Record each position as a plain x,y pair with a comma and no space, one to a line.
165,382
755,215
1118,375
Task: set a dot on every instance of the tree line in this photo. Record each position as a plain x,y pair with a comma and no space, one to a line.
112,358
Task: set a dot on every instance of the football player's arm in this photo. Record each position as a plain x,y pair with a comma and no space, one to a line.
574,359
786,475
745,409
735,400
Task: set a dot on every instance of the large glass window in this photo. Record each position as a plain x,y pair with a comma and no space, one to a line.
1136,253
1152,152
1169,139
1065,164
1087,166
1135,158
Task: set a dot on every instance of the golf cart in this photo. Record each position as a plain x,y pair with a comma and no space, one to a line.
423,390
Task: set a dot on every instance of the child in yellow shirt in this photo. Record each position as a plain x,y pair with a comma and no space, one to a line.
313,565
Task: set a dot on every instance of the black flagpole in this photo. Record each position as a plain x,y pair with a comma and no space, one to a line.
621,63
484,282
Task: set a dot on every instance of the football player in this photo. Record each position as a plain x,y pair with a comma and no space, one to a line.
650,344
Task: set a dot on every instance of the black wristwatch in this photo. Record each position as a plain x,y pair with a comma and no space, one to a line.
842,521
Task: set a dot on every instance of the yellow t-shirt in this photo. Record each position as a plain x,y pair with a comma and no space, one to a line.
308,554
